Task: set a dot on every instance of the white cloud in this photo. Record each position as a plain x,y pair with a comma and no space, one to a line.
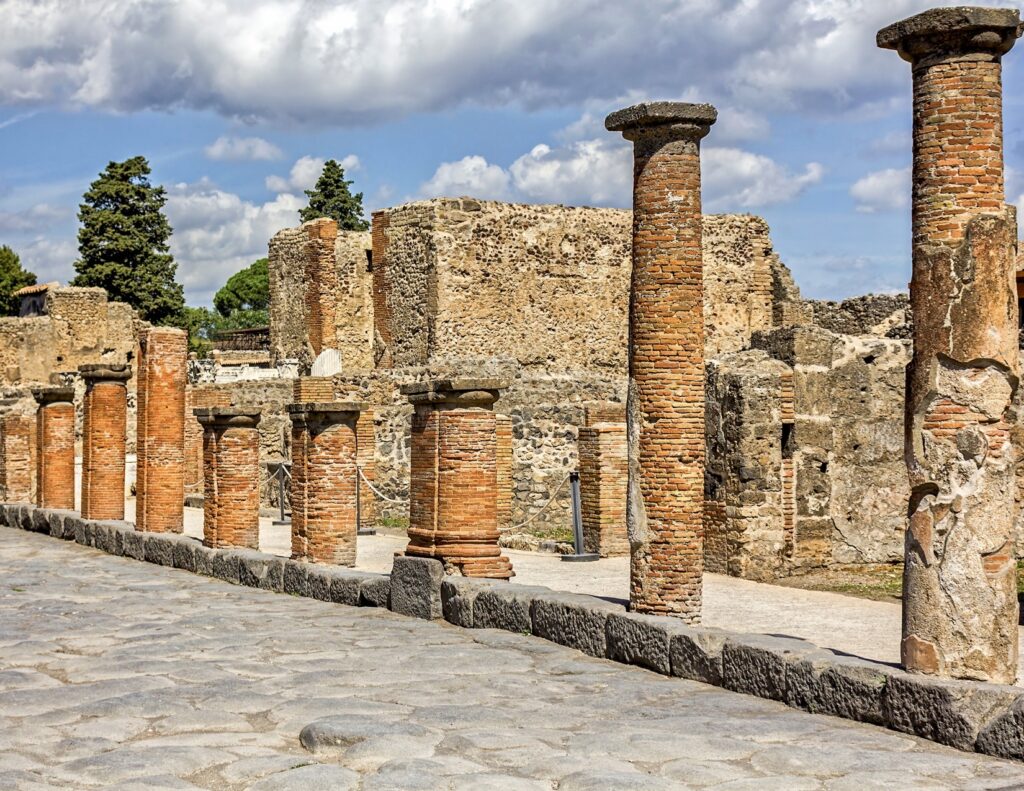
50,258
735,180
883,190
217,233
40,216
305,172
357,61
472,176
227,147
597,172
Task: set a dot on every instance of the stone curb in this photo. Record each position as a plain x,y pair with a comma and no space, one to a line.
971,716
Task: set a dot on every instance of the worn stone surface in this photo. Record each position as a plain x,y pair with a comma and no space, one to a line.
696,654
573,620
757,664
207,685
638,639
842,686
960,596
506,606
1004,735
416,587
458,595
375,590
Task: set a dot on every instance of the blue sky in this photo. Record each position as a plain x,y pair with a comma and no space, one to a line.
236,103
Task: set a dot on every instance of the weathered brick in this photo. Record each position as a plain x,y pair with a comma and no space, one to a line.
231,504
55,440
104,434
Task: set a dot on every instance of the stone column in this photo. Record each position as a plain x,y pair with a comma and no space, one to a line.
324,482
160,435
55,447
959,593
231,476
104,430
453,478
16,443
665,402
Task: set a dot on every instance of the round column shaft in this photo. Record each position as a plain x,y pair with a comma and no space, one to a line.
665,402
55,443
324,482
453,500
959,585
231,476
104,429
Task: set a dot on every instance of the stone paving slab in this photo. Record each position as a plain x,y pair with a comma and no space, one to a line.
120,674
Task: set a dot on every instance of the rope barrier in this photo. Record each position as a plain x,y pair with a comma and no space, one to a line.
377,491
551,499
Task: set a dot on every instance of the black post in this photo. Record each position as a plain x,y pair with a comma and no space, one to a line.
578,556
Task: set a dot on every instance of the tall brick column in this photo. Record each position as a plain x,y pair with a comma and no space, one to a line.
665,404
104,430
324,482
17,439
231,476
959,592
453,480
55,447
160,434
604,472
195,398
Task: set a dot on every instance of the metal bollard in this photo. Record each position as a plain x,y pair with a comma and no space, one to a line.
578,555
279,473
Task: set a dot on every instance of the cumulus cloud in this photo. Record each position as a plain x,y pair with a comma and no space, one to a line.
305,172
883,190
471,175
37,217
597,172
230,148
359,61
217,233
734,179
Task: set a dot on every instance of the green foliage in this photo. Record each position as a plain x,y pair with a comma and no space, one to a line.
12,277
331,198
123,242
202,323
248,291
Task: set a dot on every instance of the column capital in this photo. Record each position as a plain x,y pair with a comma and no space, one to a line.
108,372
677,119
321,410
228,416
464,392
961,32
53,394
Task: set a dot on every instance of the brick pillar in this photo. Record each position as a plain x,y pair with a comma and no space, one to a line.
104,433
665,404
160,434
604,471
503,460
321,283
16,458
366,450
231,476
55,447
323,490
197,397
959,583
453,480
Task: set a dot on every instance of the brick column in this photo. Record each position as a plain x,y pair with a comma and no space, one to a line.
604,471
104,432
321,283
453,478
197,397
323,490
665,404
959,584
55,447
231,476
16,470
366,450
504,458
160,434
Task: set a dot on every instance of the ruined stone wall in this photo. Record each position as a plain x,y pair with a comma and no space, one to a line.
300,301
548,286
882,315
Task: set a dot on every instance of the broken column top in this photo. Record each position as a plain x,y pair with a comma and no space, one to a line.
117,372
953,32
244,416
467,389
659,114
53,394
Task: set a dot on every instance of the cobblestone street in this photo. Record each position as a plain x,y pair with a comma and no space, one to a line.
115,673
